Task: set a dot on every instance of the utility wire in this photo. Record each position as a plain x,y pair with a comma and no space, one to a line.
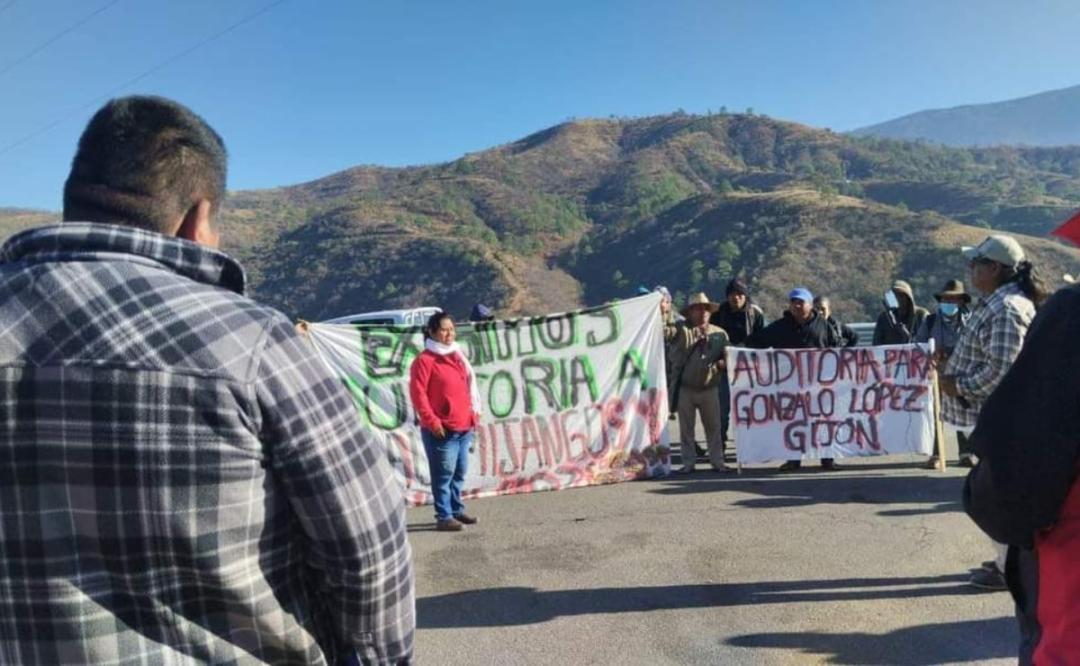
52,40
161,65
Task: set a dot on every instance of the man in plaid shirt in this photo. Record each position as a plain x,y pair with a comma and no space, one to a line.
987,347
183,481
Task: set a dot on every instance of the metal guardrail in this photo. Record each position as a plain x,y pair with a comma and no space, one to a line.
865,331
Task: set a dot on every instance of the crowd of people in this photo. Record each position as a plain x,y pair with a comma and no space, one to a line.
186,481
695,343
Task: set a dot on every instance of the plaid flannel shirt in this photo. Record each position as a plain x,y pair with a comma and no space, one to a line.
988,345
182,480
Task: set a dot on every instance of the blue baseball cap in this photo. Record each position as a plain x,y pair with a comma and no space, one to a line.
802,294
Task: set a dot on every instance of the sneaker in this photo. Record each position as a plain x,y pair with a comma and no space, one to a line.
931,463
685,470
466,519
790,466
722,469
448,525
969,460
829,465
990,580
989,564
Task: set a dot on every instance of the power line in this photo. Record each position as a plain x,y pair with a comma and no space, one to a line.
161,65
41,47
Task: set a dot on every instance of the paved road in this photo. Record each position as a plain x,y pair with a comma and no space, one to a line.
862,566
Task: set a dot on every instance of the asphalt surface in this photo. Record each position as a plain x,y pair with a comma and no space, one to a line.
866,565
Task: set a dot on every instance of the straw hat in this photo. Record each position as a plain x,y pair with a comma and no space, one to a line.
700,299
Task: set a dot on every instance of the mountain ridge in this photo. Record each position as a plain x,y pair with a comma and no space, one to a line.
582,212
1049,118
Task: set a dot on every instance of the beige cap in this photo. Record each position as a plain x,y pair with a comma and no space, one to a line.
1000,248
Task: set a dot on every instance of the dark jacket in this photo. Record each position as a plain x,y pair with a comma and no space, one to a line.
1024,491
786,333
842,332
738,325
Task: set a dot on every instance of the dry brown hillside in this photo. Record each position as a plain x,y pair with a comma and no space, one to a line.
585,211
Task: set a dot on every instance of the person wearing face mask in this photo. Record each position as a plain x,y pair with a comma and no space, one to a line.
943,327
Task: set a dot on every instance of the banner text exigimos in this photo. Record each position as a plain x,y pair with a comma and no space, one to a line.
570,399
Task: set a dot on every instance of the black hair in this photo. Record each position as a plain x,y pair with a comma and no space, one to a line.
434,322
737,286
1027,277
144,162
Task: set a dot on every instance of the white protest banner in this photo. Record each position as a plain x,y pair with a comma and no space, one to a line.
571,399
791,404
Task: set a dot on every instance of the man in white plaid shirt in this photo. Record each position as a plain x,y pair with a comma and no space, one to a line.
183,481
987,347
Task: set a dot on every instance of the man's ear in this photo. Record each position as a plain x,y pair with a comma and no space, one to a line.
197,225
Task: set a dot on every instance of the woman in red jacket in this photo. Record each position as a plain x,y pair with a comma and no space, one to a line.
447,402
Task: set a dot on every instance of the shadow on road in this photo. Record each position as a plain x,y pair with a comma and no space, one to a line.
968,641
936,494
511,606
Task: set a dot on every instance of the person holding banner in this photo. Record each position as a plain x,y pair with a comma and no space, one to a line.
987,347
740,319
801,327
901,318
446,398
698,350
668,318
943,327
1025,490
840,330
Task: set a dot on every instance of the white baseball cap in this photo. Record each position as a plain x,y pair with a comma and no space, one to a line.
998,247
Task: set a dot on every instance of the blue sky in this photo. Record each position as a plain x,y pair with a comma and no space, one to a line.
308,88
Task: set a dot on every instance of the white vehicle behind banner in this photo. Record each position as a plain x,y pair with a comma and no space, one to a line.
569,399
410,317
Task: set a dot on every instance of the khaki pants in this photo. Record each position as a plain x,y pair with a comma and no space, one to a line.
707,402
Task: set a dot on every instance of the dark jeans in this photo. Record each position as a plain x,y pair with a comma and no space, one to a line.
448,459
725,410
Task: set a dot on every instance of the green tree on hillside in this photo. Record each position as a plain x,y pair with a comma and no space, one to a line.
726,255
697,274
